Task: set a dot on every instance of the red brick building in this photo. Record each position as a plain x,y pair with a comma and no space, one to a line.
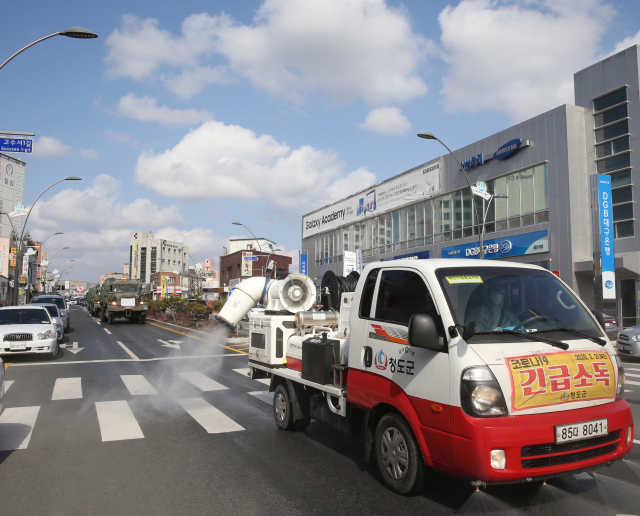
173,284
231,266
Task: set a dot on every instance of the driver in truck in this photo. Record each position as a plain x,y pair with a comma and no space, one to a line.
494,313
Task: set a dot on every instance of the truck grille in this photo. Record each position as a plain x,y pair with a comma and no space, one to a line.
14,337
568,458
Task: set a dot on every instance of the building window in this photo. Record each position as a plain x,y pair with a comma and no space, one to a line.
153,260
143,264
609,100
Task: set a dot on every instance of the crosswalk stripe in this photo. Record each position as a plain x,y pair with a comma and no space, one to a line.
244,371
202,382
16,426
631,369
67,389
209,417
7,384
117,422
137,384
632,375
631,383
265,396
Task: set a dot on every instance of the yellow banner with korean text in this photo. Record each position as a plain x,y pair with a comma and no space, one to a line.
556,378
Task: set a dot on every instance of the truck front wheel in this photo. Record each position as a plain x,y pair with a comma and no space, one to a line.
398,456
282,408
103,314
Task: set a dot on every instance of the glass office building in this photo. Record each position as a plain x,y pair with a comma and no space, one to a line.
539,174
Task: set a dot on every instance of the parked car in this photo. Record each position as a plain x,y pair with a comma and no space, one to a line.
628,342
59,302
27,329
54,313
611,327
72,301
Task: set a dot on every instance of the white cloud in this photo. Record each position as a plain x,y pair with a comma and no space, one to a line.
115,136
90,154
517,56
147,109
229,161
294,49
386,120
48,147
626,43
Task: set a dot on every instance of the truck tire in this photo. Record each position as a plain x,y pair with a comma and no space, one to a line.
398,456
282,410
110,318
103,315
143,319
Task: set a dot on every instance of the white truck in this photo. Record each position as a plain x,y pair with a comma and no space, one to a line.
492,371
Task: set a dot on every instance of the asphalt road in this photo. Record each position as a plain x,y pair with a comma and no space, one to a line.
138,419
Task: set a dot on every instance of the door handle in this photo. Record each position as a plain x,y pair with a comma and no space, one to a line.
368,356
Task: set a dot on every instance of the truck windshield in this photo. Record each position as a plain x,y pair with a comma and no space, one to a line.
505,298
124,288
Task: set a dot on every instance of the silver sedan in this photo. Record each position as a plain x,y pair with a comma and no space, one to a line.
628,342
27,329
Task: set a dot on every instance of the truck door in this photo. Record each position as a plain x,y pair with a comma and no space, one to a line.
422,374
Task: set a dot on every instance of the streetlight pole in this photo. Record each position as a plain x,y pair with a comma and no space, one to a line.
71,32
430,136
46,268
259,247
70,178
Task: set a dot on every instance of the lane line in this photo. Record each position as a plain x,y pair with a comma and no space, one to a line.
265,396
107,331
128,360
117,422
137,385
98,322
67,389
7,384
6,365
16,426
202,382
197,338
209,417
129,352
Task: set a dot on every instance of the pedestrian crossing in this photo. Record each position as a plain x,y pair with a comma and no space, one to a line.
116,419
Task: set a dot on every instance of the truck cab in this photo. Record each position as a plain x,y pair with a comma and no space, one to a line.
123,299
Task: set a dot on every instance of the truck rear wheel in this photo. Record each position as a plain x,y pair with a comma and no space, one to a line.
103,315
398,456
282,410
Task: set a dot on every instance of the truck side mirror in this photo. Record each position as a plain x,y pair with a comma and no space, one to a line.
599,317
423,332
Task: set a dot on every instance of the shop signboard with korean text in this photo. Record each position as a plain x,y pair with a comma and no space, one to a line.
607,253
516,245
247,264
14,258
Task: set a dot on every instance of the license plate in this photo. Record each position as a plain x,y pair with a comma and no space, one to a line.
584,430
17,346
128,302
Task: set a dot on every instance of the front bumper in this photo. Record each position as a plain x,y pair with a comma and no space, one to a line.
529,443
45,346
628,347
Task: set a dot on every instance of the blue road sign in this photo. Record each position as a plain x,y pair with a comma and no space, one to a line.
16,145
250,258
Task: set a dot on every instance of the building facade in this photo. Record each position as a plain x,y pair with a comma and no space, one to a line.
148,255
250,244
12,181
539,172
209,268
234,268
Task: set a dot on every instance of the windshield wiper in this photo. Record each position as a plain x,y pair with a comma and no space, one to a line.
597,340
528,336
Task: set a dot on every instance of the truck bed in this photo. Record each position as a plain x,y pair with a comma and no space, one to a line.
296,376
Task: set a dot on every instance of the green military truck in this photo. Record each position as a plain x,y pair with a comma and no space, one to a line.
122,298
93,301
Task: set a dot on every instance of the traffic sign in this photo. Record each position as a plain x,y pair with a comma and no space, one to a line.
18,207
16,145
251,258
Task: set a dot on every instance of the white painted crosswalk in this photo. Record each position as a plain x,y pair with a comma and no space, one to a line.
7,384
116,419
244,371
67,389
117,422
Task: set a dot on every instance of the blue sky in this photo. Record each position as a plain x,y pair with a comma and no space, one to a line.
183,117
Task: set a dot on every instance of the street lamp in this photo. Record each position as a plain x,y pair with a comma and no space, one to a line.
70,178
46,267
241,224
430,136
58,233
71,32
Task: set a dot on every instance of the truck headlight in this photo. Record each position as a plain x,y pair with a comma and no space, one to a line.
621,379
46,335
480,393
142,302
114,303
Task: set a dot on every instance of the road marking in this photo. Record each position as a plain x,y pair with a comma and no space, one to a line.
16,426
129,352
98,322
67,389
265,396
74,349
209,417
245,372
632,375
137,385
117,422
168,344
6,365
107,331
636,441
197,338
7,384
202,382
632,383
128,360
631,369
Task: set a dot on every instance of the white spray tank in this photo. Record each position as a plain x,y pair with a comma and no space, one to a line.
295,293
